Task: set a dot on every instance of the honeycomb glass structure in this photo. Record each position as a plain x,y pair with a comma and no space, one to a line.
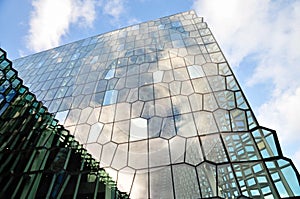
39,158
158,105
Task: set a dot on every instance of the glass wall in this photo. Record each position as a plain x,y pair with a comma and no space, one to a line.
158,105
39,158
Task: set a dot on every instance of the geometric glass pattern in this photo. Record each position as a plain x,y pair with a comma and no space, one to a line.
158,105
39,158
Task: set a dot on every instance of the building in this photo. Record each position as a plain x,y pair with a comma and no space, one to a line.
159,107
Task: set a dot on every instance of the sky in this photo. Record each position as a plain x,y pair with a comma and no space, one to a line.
259,38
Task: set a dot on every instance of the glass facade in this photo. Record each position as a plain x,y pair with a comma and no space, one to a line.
159,107
39,158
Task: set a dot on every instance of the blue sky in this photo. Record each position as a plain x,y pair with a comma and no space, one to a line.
260,40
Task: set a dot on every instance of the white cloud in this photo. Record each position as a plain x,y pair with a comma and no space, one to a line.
119,11
51,19
296,158
114,8
282,113
132,21
269,32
